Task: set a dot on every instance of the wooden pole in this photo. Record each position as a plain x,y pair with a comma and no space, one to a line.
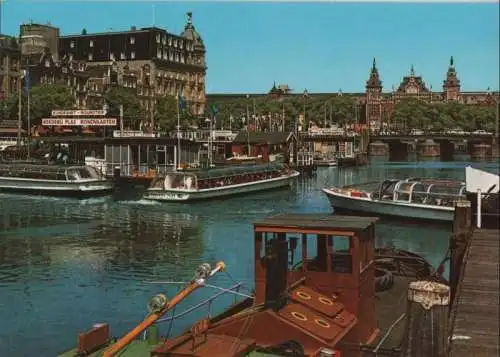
462,228
427,320
153,317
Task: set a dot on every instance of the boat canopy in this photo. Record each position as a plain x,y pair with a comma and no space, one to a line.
49,172
237,170
429,191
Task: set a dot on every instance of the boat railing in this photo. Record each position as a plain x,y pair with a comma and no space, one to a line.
485,208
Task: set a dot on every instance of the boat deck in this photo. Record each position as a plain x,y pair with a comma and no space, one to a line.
476,323
141,348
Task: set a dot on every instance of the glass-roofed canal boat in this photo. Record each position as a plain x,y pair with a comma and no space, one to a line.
411,198
212,183
53,180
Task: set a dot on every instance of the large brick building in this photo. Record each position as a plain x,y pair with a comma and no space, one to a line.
150,61
10,65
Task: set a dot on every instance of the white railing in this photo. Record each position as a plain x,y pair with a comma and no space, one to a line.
132,134
478,213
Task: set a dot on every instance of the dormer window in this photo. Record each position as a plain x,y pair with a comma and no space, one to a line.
91,43
132,40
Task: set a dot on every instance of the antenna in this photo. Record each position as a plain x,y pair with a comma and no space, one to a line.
153,9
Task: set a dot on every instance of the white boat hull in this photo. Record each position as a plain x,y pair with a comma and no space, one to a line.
341,202
180,195
83,188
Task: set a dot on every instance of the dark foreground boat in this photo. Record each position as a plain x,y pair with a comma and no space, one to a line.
53,180
319,291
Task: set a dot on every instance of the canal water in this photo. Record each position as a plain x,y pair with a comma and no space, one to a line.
66,264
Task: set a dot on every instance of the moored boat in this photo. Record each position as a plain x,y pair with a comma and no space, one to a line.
411,198
212,183
53,180
316,294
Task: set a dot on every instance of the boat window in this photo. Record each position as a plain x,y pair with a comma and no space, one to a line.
444,194
180,181
40,172
419,192
341,257
403,190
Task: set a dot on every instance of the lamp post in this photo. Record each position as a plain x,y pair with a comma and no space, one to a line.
248,116
208,120
305,94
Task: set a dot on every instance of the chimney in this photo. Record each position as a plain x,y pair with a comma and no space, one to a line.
276,271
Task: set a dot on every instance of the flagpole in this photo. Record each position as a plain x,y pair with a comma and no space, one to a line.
178,132
29,125
20,114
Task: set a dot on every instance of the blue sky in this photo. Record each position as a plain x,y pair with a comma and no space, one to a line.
322,46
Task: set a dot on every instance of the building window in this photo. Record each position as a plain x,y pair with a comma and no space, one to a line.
90,56
132,55
181,44
112,56
122,55
72,44
175,43
182,58
170,41
158,38
158,54
71,57
91,43
164,40
132,40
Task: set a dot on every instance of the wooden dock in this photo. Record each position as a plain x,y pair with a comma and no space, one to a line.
476,311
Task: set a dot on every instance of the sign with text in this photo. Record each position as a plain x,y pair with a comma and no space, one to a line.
79,122
75,113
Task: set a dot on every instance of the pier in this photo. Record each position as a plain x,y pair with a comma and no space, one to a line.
474,279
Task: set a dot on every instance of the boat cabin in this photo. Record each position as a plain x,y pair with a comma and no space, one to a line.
314,286
430,192
50,172
268,145
213,178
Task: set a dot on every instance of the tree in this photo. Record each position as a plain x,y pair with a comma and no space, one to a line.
165,114
133,113
45,98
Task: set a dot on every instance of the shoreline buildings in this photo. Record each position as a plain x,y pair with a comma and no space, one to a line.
151,62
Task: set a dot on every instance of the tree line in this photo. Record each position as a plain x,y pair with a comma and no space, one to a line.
232,112
45,98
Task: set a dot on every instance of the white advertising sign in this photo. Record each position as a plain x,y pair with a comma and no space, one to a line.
75,113
79,122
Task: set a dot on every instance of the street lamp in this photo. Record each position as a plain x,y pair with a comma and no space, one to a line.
208,120
248,116
305,94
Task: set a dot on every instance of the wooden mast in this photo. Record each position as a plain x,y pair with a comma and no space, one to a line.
154,316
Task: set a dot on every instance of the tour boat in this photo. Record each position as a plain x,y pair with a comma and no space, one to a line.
53,180
212,183
411,198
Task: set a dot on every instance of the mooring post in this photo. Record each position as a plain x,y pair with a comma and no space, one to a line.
462,228
427,320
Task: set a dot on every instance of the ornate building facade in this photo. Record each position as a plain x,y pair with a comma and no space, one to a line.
379,106
10,66
151,62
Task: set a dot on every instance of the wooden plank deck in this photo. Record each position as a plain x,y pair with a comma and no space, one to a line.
476,324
